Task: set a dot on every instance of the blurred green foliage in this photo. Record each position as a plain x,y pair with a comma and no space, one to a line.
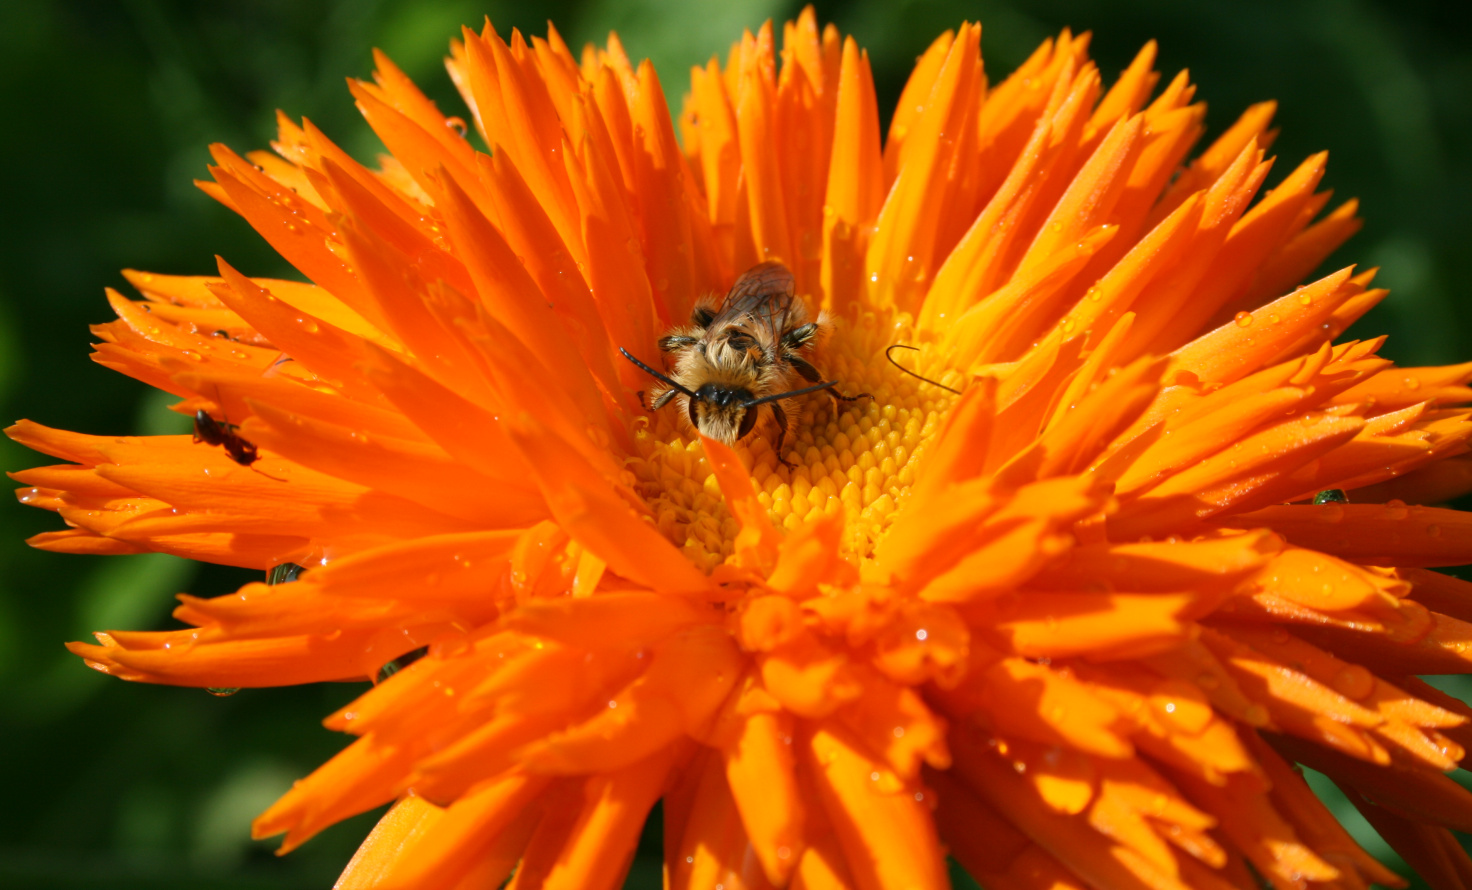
110,105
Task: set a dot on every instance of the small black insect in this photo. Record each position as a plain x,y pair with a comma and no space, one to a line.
398,664
283,573
215,432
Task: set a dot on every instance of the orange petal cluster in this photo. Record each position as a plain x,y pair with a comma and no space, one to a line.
1072,627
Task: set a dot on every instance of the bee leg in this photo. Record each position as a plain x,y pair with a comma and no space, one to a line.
803,366
839,397
643,400
781,417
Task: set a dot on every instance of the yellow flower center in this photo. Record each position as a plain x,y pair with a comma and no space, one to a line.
856,457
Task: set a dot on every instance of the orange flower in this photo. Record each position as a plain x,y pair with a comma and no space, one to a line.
1072,625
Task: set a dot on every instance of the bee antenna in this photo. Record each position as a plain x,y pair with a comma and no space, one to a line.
912,373
655,374
752,403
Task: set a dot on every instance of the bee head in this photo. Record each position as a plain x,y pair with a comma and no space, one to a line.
722,411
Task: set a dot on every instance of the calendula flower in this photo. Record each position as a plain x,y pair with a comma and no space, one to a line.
1060,601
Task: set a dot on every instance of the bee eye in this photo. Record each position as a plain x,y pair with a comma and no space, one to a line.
748,420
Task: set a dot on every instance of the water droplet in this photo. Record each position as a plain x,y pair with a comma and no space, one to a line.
921,634
192,355
1243,319
1305,300
1413,383
1331,496
1353,681
222,691
1433,531
457,124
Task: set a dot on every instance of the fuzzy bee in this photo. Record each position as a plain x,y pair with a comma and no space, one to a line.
754,349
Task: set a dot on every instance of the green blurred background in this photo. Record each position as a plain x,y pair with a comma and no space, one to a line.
110,105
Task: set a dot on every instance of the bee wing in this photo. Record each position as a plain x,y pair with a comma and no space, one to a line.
761,297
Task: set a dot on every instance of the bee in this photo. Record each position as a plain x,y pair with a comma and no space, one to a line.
215,432
754,349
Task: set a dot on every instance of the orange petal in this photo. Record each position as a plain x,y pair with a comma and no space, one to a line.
887,833
1370,534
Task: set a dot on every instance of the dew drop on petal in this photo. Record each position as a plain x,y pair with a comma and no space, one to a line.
1353,681
1243,319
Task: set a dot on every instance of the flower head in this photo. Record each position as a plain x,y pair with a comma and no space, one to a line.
1060,599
